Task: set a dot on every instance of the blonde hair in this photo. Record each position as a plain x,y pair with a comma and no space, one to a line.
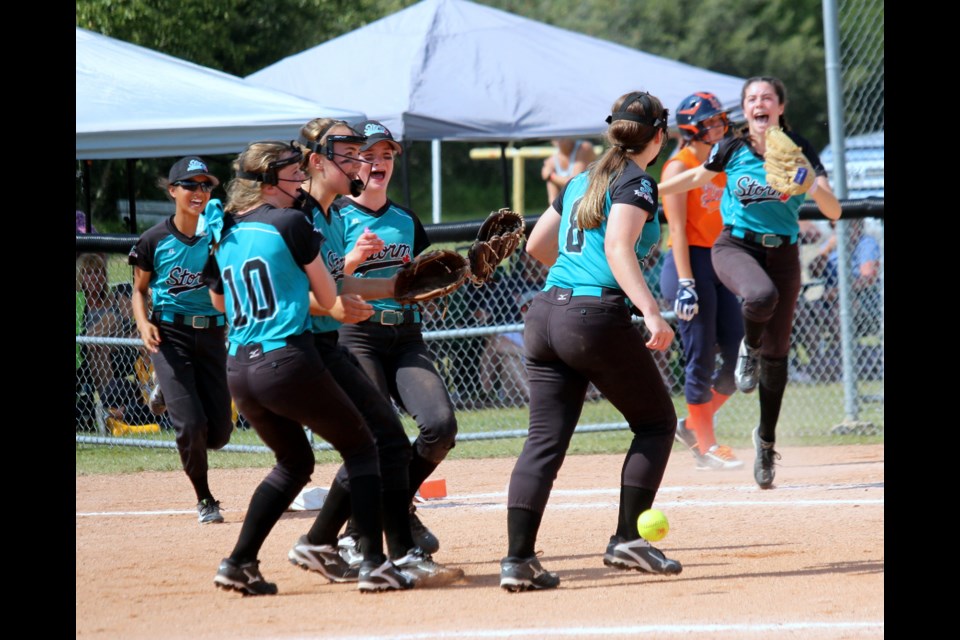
93,262
625,137
243,193
317,131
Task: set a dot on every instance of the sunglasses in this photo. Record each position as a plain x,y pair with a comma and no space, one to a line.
193,185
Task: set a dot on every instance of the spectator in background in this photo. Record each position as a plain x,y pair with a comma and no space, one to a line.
125,397
82,223
570,157
864,274
501,362
99,320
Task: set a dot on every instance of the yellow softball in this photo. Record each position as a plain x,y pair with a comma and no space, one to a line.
652,525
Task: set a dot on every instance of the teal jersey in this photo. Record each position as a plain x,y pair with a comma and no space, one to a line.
748,202
582,261
400,229
175,264
333,251
258,268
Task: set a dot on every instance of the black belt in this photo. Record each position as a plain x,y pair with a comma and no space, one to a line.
194,322
769,240
394,316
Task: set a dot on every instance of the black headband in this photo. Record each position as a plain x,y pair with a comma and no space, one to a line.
659,122
270,175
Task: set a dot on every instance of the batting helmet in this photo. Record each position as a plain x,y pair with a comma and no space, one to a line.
696,108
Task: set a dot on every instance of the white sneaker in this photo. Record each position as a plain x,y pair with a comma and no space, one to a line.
719,457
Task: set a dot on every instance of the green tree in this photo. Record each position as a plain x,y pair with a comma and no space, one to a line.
744,38
235,36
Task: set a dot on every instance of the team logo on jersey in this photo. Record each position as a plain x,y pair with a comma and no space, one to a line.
335,262
645,191
751,191
710,195
182,280
393,253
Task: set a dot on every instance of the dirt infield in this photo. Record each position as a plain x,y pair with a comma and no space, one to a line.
805,560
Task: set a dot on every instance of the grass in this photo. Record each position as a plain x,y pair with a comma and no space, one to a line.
809,415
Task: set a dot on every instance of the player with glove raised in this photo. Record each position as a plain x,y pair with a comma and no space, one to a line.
756,255
498,237
708,313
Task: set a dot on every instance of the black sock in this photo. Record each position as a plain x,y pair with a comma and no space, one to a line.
633,502
420,470
522,528
366,502
266,506
396,522
333,514
773,382
753,333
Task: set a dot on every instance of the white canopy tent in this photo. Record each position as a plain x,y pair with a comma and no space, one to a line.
133,102
455,70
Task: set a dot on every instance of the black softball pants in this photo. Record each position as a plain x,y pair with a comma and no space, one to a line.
570,341
397,360
191,370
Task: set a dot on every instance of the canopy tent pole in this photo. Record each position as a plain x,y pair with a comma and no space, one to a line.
88,202
131,167
405,161
505,172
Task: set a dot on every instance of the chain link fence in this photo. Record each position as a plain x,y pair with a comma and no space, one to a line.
836,364
476,337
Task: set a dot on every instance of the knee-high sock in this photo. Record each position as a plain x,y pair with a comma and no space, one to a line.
773,382
366,502
420,470
633,502
522,529
266,506
718,400
700,421
396,522
753,332
334,513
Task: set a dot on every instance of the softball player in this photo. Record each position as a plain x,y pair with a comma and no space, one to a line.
579,330
756,255
264,266
332,164
389,344
708,313
185,334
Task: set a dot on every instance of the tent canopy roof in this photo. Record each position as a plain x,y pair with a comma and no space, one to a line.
133,102
457,70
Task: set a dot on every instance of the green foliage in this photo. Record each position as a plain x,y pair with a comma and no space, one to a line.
235,36
743,38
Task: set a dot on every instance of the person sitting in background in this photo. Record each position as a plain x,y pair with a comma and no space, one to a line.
99,320
570,158
501,361
124,399
864,276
